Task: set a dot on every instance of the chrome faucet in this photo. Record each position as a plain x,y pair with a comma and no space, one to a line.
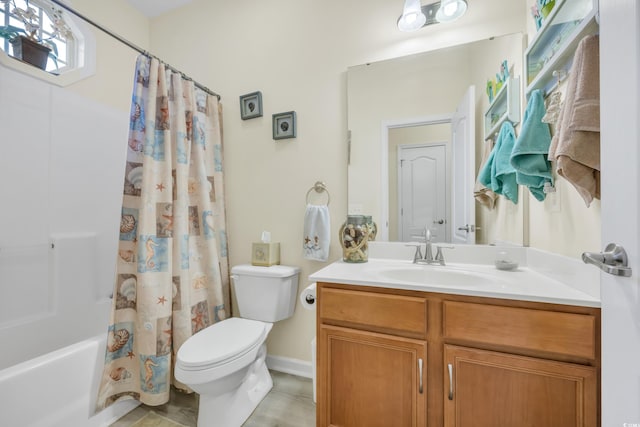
428,257
428,252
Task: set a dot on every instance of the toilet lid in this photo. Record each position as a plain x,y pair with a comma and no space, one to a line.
220,342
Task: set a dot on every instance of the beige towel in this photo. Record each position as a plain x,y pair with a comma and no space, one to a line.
483,195
576,145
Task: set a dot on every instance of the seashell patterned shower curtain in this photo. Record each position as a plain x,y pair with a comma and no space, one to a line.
172,276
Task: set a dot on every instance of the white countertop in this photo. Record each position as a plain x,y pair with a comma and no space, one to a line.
482,279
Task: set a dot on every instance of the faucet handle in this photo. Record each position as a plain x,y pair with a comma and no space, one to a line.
439,256
418,254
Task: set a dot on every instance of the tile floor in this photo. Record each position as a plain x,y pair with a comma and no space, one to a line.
288,404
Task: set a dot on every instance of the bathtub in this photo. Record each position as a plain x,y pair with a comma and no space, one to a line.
58,389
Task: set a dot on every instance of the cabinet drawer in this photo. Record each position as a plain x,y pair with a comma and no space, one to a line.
402,315
561,333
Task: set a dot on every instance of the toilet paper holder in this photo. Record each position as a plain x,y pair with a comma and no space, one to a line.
308,297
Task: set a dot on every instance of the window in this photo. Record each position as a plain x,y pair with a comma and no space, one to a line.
70,42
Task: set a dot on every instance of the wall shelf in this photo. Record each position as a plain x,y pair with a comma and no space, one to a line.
505,106
554,45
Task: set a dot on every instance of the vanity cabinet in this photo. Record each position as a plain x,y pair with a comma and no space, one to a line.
372,358
389,357
556,384
493,389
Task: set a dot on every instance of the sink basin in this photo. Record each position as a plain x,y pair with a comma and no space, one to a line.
436,275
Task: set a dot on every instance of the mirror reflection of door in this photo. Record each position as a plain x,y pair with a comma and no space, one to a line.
463,216
425,195
422,190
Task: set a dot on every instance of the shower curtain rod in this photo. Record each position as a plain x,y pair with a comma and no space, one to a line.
132,46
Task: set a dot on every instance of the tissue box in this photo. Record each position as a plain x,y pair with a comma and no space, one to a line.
265,254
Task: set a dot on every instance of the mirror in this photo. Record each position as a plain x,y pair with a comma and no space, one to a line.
398,105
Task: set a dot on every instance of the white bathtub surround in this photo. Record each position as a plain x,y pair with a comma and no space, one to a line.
58,389
55,298
541,276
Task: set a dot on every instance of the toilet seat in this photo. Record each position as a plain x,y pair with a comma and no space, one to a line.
221,343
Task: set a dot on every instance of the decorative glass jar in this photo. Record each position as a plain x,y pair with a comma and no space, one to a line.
354,238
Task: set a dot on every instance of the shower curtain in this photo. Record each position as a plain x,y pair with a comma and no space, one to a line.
172,275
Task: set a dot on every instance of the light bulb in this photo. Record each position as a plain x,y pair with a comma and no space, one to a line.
450,10
412,17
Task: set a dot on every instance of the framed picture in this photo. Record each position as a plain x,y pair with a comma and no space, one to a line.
284,125
251,105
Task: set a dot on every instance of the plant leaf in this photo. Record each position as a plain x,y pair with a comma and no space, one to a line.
10,31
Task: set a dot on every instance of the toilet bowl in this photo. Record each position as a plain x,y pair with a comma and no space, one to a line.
225,362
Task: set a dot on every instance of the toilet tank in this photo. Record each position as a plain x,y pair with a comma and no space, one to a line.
265,293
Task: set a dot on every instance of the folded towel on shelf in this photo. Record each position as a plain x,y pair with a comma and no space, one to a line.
498,174
485,196
530,153
576,145
317,231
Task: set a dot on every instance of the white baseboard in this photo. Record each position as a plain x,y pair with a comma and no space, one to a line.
291,366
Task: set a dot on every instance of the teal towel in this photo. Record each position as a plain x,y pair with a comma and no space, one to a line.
497,173
530,153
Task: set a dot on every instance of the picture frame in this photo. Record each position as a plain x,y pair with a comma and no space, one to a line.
284,125
251,105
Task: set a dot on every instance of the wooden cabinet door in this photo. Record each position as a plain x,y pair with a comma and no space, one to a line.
491,389
367,379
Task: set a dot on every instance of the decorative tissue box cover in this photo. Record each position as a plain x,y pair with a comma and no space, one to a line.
265,254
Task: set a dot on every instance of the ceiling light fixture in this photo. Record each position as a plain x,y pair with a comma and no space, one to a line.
450,10
412,17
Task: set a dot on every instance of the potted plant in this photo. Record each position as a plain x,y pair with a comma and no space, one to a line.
26,43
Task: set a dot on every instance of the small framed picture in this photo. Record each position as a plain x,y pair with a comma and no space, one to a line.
284,125
251,105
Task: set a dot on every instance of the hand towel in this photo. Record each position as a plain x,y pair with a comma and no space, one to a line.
576,145
503,180
317,227
482,194
498,174
530,153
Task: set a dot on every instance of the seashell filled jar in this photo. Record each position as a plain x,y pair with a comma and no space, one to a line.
373,228
354,239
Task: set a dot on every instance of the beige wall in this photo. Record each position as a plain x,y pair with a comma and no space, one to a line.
562,223
113,79
505,222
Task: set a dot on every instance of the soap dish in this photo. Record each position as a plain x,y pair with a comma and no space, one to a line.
506,265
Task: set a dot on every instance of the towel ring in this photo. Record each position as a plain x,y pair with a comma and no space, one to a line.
319,187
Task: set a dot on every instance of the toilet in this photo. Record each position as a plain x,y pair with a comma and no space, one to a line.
225,362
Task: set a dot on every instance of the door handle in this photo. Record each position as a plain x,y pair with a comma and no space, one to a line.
469,228
612,260
440,221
